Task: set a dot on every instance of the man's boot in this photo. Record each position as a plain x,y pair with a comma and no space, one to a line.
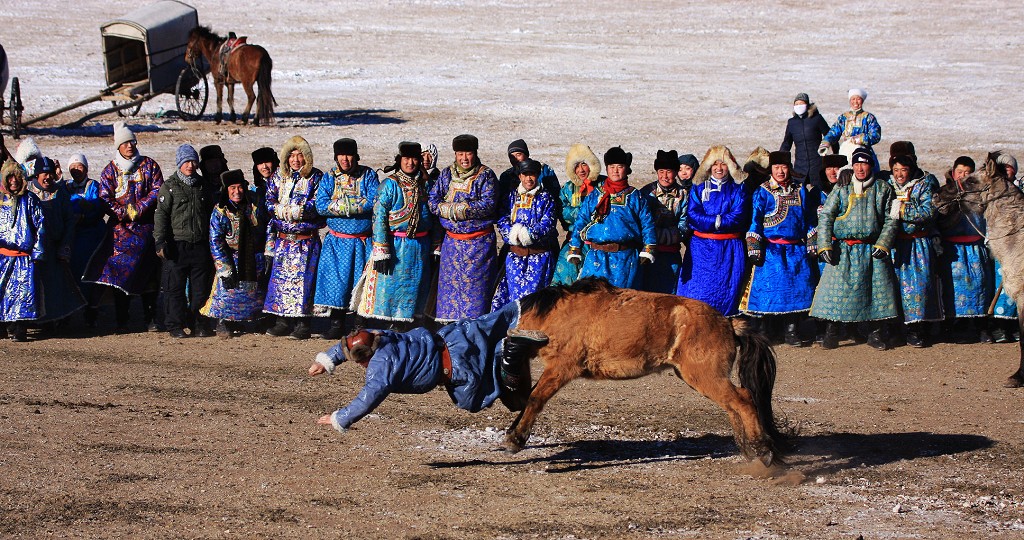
518,348
149,313
792,333
301,330
17,332
831,338
878,338
914,335
337,329
90,315
222,330
121,304
281,328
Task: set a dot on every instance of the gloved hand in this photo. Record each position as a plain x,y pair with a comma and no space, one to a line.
381,266
879,253
646,258
827,257
229,282
574,259
756,257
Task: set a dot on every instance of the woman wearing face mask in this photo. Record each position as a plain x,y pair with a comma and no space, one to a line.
804,131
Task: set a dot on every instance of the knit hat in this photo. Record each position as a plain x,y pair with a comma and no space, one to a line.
185,153
78,158
834,160
862,155
519,145
122,134
965,161
1007,159
465,143
617,156
802,97
857,92
780,158
346,147
689,159
44,164
265,155
410,150
666,160
529,166
231,178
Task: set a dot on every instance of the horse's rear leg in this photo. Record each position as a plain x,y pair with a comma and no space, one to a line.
738,406
550,382
219,116
250,95
231,102
1017,379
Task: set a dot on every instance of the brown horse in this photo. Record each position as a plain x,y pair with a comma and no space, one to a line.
246,64
598,331
990,193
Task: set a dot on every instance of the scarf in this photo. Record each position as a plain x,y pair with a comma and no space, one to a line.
716,186
860,185
188,180
463,175
604,206
127,166
415,198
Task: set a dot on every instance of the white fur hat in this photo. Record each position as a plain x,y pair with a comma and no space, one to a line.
857,92
78,158
122,134
27,151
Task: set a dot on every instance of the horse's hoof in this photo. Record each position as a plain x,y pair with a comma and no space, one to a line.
1015,381
512,446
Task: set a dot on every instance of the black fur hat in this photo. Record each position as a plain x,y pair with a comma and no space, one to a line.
834,160
210,152
465,143
232,177
617,156
666,160
346,147
780,158
265,155
410,150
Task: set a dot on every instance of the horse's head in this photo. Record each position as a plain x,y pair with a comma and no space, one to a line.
200,40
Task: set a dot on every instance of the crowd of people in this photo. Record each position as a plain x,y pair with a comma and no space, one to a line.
817,230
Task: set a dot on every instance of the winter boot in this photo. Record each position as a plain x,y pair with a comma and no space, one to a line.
519,347
149,313
914,335
301,330
90,315
792,333
121,305
831,338
222,330
17,332
337,329
878,338
280,329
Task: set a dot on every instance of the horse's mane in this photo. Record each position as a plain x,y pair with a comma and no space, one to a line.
204,32
543,301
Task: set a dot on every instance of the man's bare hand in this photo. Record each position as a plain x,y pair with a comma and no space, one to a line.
325,419
317,369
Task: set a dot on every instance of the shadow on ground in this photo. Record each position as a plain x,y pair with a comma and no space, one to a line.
348,117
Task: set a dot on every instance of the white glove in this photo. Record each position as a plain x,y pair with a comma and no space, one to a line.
824,149
525,238
648,256
718,221
513,234
896,209
574,258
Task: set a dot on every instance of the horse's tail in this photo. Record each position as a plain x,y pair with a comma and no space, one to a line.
265,100
756,366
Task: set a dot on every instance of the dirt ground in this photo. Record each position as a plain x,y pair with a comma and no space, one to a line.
142,436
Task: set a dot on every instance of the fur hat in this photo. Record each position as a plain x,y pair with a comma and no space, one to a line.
231,178
834,160
758,162
780,158
44,164
410,150
78,158
903,159
617,156
965,161
902,148
122,134
862,155
11,167
346,147
802,96
581,153
465,143
723,154
300,144
666,160
529,166
1007,159
27,151
209,152
857,92
359,345
265,155
184,154
689,159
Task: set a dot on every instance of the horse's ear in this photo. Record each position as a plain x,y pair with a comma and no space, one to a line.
991,168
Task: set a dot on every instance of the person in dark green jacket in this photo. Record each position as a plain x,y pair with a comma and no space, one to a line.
182,235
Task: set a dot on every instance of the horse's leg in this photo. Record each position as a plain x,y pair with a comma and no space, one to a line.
250,96
550,382
231,102
1017,379
707,380
219,85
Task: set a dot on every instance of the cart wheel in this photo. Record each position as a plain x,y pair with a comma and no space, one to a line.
191,93
15,107
129,111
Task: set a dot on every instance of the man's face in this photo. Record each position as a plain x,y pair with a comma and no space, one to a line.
861,170
1011,171
428,160
188,168
235,192
345,162
266,169
78,172
666,177
901,173
832,173
517,155
960,172
409,165
780,173
582,171
127,149
528,181
296,160
719,170
13,183
856,102
616,172
685,172
464,159
45,180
